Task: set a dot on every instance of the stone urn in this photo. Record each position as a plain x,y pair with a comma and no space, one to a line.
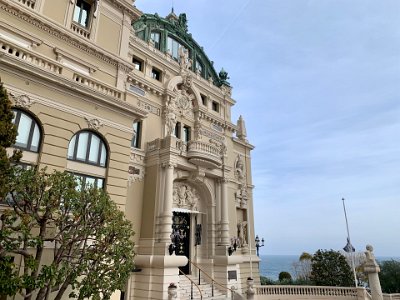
250,288
172,291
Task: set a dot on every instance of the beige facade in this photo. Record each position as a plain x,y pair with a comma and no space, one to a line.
173,152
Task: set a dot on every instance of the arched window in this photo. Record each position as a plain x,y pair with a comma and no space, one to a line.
88,147
29,133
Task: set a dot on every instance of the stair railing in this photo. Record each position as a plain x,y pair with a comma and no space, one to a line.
213,281
191,286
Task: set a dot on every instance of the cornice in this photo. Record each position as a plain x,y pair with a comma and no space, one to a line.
131,10
216,120
34,41
31,72
94,121
62,33
145,84
243,143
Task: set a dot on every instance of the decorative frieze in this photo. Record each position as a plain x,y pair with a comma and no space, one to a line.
136,169
212,135
94,124
149,107
185,196
22,101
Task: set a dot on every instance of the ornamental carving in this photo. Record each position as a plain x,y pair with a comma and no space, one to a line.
185,196
241,194
94,124
23,101
242,234
184,61
135,174
182,103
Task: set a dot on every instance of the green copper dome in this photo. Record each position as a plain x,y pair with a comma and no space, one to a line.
170,33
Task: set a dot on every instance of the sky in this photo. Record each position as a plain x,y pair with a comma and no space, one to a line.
318,84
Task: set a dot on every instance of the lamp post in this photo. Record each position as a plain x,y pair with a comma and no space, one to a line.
258,245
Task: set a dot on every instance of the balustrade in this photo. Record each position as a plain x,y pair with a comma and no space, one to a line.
34,59
100,87
28,3
291,290
80,30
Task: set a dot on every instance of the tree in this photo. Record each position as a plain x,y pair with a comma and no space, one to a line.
8,133
285,277
329,268
302,268
63,238
390,276
266,281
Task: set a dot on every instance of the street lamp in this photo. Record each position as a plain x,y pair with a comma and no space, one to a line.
258,246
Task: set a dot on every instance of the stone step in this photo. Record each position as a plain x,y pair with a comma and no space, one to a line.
185,286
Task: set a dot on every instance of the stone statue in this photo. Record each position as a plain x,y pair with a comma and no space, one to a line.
170,121
242,233
240,170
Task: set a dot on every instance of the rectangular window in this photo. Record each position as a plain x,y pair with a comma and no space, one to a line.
156,74
137,132
178,130
186,133
88,181
156,38
203,100
215,106
82,13
138,63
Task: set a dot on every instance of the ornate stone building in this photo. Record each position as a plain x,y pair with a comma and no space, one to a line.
131,103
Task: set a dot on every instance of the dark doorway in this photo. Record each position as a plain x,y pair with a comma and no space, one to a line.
181,234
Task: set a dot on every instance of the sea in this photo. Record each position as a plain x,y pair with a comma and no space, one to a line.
272,265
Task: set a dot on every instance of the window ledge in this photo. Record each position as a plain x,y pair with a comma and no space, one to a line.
82,168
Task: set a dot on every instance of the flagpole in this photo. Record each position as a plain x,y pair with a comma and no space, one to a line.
348,238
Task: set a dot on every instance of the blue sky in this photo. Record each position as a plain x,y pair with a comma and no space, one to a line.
318,83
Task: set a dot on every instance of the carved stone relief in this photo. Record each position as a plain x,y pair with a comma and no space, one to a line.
94,124
185,196
136,169
22,101
241,194
242,234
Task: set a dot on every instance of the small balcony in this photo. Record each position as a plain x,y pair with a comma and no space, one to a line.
204,154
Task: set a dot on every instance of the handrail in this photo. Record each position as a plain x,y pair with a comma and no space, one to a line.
201,294
212,280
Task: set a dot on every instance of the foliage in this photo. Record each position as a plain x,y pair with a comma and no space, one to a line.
63,238
285,277
358,259
302,268
8,134
390,276
329,268
266,281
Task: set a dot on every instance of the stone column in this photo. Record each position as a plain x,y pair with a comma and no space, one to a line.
225,240
166,228
371,267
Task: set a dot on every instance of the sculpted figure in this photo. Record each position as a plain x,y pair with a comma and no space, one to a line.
182,195
170,121
242,226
